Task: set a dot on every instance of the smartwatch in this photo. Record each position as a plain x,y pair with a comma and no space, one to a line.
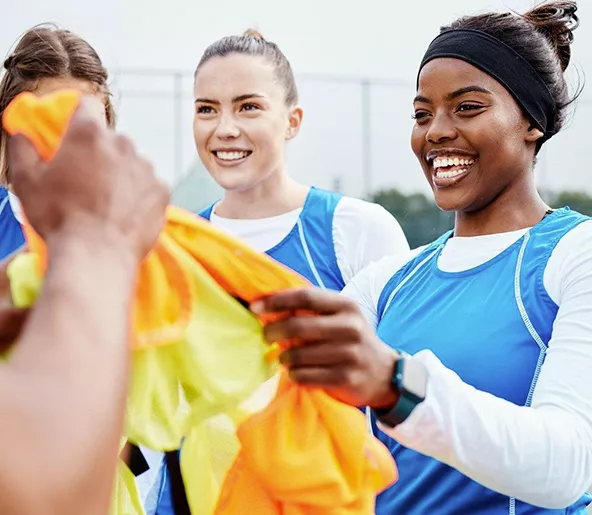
409,380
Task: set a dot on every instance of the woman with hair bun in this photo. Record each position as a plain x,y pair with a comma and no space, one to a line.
246,109
475,355
45,59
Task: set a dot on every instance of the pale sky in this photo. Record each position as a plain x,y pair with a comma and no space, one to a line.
325,40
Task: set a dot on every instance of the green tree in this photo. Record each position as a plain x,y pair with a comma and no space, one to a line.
577,201
421,220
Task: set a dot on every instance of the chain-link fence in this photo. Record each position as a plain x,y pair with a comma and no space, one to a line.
354,138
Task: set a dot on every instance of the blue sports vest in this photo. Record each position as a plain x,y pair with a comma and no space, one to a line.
308,248
11,233
491,325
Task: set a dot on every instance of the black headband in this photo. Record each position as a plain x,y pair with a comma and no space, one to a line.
505,65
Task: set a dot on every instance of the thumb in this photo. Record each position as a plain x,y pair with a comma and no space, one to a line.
23,161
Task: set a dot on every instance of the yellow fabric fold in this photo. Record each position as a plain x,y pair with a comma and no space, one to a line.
202,374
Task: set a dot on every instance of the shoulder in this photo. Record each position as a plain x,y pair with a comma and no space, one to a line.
350,206
363,233
366,287
570,262
381,271
373,220
580,234
574,248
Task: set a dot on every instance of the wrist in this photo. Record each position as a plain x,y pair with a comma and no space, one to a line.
92,253
409,379
92,241
387,395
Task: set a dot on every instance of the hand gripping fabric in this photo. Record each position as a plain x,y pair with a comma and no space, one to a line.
253,442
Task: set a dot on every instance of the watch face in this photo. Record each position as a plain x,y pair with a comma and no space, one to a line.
415,378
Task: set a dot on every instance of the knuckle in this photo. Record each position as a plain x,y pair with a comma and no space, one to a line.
351,306
303,296
89,129
351,379
147,165
295,327
340,375
280,301
351,354
353,327
123,143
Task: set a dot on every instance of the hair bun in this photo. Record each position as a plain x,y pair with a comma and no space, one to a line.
557,21
252,33
9,62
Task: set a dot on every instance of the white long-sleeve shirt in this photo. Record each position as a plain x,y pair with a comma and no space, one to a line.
541,454
363,232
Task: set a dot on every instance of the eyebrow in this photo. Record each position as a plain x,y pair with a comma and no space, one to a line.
422,99
239,98
455,94
467,89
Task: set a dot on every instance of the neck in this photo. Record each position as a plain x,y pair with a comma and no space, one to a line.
518,207
275,196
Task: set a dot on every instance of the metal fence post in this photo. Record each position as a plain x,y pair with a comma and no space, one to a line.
178,126
366,138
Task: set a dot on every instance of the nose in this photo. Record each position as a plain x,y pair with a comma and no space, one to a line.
227,127
441,129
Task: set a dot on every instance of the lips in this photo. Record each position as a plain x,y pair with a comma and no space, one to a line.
449,165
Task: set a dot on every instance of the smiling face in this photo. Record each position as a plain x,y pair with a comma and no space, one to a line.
470,136
241,120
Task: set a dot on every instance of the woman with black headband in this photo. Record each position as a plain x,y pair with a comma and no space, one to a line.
478,375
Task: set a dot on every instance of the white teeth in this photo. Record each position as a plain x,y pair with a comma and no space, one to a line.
450,175
444,162
231,156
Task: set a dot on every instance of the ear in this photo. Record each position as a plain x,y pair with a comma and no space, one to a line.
294,121
533,134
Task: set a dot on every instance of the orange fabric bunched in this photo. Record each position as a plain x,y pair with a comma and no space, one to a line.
302,452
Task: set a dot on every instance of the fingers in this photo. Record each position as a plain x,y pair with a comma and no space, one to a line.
84,127
320,377
165,192
341,327
336,381
89,110
95,107
23,161
86,135
126,146
309,299
321,354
